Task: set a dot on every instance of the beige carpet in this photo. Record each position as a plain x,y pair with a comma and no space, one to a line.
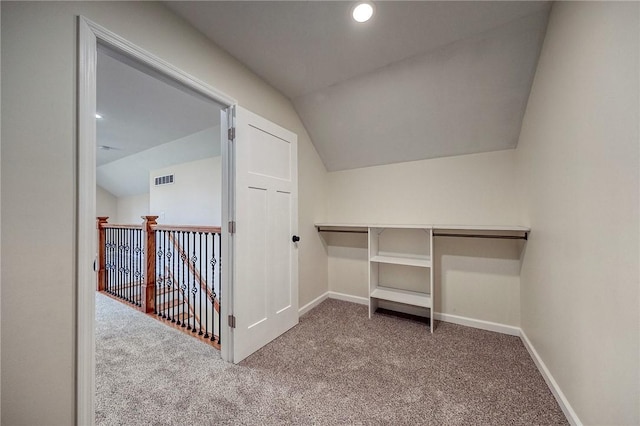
335,367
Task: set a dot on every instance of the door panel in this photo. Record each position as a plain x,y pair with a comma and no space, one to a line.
265,284
257,250
281,247
269,155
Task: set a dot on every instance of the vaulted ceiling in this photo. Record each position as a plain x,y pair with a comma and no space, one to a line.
148,123
419,80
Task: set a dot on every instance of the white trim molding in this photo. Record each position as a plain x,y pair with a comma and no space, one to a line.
332,295
476,323
85,231
90,35
130,50
315,302
568,411
348,298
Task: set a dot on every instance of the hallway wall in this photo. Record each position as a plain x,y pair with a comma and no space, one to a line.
39,180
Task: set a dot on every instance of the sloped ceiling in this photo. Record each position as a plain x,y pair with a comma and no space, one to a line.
420,80
148,123
130,175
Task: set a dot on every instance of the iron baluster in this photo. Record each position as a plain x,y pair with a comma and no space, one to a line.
165,293
119,260
169,255
219,288
206,283
163,271
140,257
172,237
194,289
183,286
186,270
130,263
160,280
123,265
179,283
112,264
213,288
107,243
200,283
116,255
107,256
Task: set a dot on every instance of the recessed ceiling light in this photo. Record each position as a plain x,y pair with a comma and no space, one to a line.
363,11
98,116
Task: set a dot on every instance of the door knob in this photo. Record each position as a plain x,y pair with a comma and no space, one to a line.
295,239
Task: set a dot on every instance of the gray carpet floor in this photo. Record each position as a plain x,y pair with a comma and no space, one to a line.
335,367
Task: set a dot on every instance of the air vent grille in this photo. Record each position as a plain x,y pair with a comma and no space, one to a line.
163,180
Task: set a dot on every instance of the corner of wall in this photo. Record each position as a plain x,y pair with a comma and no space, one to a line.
578,179
313,204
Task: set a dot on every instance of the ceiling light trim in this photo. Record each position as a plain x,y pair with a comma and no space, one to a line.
363,11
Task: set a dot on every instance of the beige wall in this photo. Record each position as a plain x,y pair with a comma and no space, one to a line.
477,189
131,209
579,160
38,178
195,197
106,204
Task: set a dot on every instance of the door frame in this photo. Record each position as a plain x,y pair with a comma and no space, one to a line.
90,35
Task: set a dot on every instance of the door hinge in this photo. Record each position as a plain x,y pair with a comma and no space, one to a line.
232,133
232,321
232,227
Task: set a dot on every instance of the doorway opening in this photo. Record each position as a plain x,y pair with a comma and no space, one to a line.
125,145
158,196
258,245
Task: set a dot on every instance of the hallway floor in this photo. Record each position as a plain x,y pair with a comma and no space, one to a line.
335,367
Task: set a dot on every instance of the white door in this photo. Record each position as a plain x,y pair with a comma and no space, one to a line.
265,275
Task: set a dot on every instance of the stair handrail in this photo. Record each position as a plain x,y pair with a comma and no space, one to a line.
189,228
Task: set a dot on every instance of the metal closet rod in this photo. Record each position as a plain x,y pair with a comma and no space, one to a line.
500,237
346,231
435,234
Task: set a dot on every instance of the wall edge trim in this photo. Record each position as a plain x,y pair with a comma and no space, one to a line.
560,397
348,298
315,302
476,323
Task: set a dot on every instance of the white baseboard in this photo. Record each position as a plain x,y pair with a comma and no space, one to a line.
349,298
571,415
476,323
315,302
332,295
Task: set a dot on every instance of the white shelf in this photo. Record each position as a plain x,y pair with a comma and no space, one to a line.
398,259
405,246
402,296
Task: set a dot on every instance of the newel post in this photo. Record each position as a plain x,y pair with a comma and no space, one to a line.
148,298
102,252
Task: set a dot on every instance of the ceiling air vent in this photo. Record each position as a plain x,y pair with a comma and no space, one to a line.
163,180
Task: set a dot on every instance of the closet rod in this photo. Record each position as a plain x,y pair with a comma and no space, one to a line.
502,237
342,230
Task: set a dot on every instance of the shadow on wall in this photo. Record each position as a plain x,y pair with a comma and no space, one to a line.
347,240
478,278
475,278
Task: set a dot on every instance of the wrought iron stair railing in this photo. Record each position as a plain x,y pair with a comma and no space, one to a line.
171,272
